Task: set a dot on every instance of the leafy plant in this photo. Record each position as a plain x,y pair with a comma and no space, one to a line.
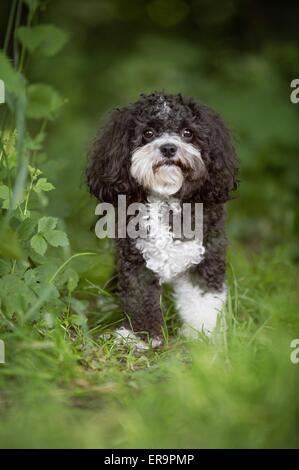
35,249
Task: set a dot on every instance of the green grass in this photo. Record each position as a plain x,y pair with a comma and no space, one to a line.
64,387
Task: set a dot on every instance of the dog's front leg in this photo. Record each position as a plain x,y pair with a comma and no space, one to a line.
198,308
200,295
139,295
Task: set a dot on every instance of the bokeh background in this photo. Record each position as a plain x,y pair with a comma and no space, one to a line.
238,57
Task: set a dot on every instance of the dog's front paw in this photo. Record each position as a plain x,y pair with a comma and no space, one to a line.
126,337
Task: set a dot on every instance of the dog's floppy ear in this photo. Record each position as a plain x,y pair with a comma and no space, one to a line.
218,154
108,171
221,161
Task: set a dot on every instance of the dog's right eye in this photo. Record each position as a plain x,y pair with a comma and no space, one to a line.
148,134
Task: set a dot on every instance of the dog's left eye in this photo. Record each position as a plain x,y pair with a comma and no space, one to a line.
148,134
187,133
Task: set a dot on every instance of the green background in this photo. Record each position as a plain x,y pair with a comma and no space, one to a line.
237,57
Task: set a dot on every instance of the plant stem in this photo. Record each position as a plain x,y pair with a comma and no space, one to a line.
9,25
45,294
88,253
17,24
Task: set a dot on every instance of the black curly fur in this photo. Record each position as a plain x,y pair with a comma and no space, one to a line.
108,174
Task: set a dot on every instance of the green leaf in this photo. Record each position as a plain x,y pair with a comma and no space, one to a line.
34,172
39,244
43,101
4,195
46,39
26,229
47,223
56,238
13,80
4,191
38,284
45,271
15,295
9,244
73,279
5,268
43,185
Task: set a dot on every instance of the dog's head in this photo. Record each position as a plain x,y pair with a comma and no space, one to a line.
164,144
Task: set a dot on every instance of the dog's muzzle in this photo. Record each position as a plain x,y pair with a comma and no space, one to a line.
162,164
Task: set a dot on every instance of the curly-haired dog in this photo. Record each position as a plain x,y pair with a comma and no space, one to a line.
167,149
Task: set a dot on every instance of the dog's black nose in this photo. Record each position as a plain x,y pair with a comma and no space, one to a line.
168,150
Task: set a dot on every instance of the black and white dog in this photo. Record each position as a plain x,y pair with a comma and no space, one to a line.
167,149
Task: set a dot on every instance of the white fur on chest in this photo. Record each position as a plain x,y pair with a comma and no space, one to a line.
164,255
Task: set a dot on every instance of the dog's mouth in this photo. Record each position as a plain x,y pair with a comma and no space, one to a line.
170,162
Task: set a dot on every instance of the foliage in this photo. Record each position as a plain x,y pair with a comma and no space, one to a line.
239,390
37,270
